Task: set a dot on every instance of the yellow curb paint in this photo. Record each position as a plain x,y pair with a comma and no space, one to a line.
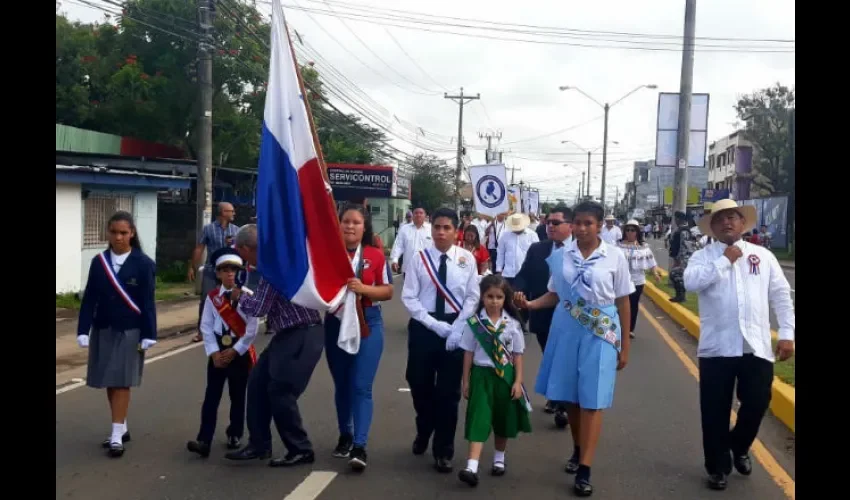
783,396
761,454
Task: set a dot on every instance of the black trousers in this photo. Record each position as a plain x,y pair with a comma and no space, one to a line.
634,301
717,381
280,377
434,377
236,375
494,253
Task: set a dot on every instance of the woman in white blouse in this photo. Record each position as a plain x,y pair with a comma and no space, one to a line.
641,259
588,341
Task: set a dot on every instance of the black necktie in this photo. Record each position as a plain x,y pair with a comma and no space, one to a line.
559,244
440,308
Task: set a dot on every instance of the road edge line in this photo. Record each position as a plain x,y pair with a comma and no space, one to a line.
779,475
783,396
312,486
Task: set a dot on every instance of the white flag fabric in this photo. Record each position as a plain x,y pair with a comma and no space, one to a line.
514,198
534,202
489,189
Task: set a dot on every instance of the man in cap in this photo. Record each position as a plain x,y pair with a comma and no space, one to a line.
738,283
682,246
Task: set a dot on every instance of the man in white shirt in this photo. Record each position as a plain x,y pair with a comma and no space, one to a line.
440,293
493,233
513,245
737,283
411,238
481,224
611,234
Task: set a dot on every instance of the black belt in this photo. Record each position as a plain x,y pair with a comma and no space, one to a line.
297,327
448,318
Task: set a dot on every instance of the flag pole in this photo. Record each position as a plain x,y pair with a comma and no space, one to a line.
361,314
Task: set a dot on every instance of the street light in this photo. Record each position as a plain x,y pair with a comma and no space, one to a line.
589,152
606,107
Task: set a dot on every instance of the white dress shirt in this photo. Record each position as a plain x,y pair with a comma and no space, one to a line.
611,236
734,301
513,248
494,232
481,225
410,240
512,337
419,294
609,277
117,260
212,326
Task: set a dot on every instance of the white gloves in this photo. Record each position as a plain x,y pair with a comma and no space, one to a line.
453,341
83,341
442,329
147,344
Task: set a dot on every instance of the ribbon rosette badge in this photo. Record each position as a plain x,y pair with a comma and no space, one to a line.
754,263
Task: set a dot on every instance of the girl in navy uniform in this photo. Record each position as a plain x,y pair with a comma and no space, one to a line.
229,336
353,374
117,321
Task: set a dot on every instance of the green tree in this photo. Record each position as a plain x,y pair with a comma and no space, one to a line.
769,114
432,182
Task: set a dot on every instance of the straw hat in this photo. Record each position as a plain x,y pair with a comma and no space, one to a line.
633,222
610,217
747,211
517,222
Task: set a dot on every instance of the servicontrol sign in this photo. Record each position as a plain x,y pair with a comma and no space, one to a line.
353,182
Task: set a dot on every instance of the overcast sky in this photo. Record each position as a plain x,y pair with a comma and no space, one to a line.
518,82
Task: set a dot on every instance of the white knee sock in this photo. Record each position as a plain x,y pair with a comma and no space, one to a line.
499,456
472,465
125,425
117,433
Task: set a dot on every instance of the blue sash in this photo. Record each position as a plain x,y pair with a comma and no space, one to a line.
600,321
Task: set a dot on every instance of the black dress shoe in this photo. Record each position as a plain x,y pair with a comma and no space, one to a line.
549,408
498,469
233,443
468,477
106,442
561,420
443,465
293,459
420,445
200,447
249,453
743,464
717,482
116,450
583,488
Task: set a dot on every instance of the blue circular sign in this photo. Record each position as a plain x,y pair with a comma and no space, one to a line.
490,191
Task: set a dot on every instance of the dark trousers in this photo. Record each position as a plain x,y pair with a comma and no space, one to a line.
236,376
280,377
494,253
717,378
523,313
634,301
434,377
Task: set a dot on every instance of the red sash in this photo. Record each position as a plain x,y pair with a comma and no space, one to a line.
232,319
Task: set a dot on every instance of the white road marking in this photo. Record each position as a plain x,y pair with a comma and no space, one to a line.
81,383
313,486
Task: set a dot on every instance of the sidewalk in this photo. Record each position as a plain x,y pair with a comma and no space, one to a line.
788,264
173,318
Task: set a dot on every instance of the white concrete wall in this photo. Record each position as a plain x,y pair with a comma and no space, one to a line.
69,237
144,211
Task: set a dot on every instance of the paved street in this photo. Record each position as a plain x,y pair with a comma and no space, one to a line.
650,446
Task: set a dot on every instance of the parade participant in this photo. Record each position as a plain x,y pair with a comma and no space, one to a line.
682,246
492,234
492,377
282,371
738,283
229,336
440,293
119,310
411,239
533,279
472,244
514,244
353,374
611,233
641,259
214,236
588,342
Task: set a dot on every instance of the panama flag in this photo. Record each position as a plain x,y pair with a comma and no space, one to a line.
300,252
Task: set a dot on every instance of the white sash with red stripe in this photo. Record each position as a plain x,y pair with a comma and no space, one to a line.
441,289
110,274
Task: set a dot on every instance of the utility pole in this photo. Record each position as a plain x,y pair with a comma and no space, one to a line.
513,171
588,173
461,100
489,155
206,9
680,184
607,107
582,186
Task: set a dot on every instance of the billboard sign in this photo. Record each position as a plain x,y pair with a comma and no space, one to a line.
667,129
355,182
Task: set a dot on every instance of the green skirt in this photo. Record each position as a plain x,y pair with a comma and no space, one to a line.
491,406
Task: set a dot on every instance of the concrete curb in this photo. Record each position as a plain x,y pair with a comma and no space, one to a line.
782,402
